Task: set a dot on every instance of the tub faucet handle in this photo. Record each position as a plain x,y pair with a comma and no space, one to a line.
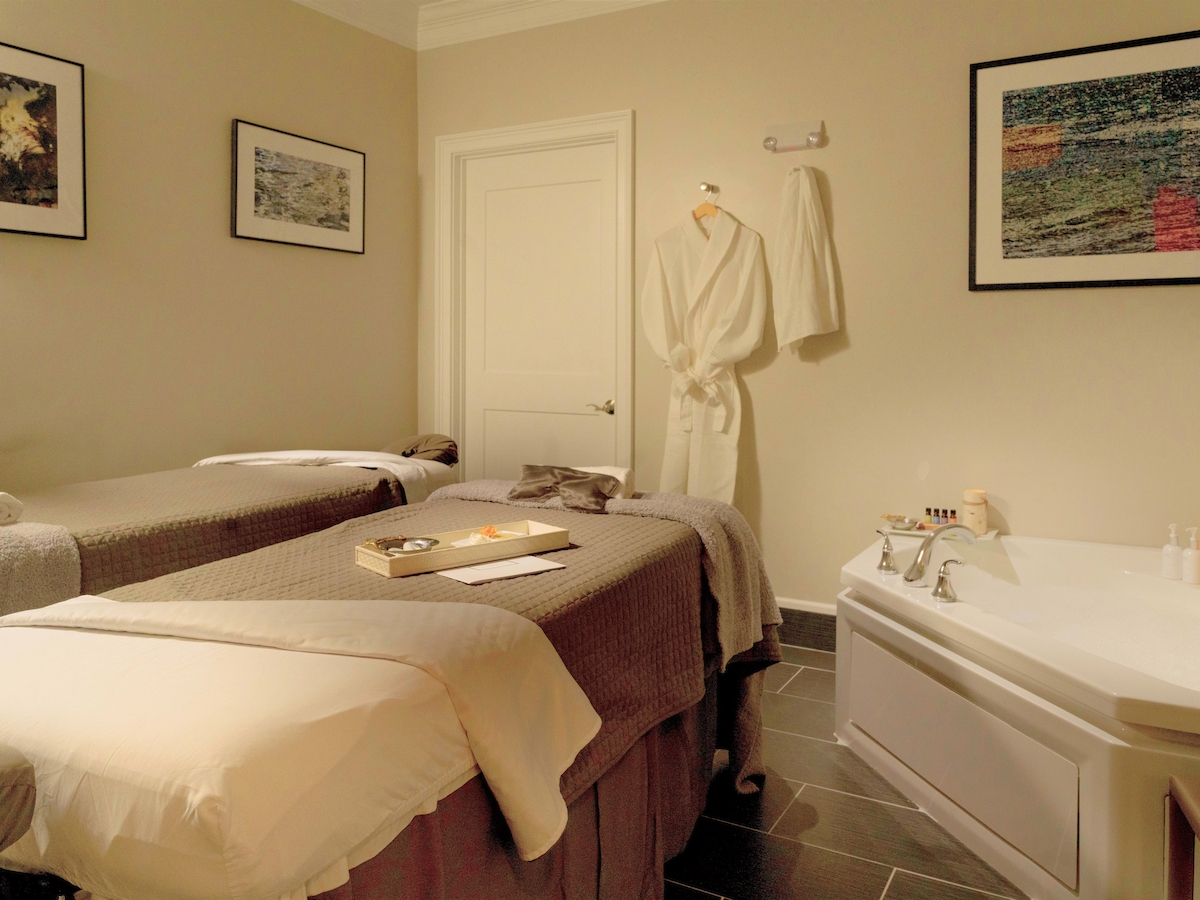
887,565
944,591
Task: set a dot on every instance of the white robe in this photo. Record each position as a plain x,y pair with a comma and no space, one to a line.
703,307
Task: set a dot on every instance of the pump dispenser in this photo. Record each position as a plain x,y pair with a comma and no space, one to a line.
1191,559
1173,557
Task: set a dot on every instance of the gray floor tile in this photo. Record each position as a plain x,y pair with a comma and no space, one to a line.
905,838
674,891
798,716
805,656
748,865
827,765
906,886
779,675
815,684
759,811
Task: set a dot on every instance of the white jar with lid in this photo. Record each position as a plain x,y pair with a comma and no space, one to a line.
975,511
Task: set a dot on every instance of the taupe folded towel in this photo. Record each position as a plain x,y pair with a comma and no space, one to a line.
436,447
17,796
582,491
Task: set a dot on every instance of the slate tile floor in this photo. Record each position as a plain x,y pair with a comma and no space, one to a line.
826,826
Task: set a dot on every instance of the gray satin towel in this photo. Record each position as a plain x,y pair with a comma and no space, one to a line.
39,565
580,491
17,796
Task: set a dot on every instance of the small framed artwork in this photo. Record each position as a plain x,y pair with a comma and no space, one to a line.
293,190
42,183
1085,167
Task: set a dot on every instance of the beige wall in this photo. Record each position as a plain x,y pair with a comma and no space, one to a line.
1078,410
161,339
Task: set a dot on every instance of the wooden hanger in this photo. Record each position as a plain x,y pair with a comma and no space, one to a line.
706,208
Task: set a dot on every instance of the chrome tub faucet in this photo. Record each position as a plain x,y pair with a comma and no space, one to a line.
917,570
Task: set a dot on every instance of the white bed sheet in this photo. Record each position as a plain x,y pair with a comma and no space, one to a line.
197,769
420,477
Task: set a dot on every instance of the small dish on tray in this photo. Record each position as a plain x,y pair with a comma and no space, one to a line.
401,544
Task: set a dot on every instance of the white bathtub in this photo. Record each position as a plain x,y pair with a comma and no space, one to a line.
1037,719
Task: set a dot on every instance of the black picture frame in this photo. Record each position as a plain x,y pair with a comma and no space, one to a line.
289,189
43,170
1028,231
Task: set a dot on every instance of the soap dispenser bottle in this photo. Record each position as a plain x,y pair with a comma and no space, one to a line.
1173,557
1191,559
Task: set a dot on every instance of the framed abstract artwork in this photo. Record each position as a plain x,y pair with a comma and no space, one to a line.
42,180
293,190
1085,167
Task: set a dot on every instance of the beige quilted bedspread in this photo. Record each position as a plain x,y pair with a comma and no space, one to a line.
136,528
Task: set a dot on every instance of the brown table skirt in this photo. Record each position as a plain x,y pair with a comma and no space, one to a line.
619,833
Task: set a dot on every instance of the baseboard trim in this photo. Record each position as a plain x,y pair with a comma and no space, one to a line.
810,606
814,630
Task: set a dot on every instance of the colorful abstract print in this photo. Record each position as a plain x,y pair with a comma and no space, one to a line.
1104,166
300,191
28,142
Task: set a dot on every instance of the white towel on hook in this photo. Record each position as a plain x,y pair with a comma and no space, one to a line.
804,293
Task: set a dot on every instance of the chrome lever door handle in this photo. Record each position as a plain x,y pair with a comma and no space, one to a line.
608,407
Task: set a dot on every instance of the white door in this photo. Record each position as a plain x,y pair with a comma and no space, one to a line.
545,319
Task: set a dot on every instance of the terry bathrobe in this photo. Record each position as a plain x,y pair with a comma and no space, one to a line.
703,307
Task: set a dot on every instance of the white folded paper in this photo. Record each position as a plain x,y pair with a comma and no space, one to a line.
501,569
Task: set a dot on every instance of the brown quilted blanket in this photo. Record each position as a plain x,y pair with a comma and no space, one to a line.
136,528
625,614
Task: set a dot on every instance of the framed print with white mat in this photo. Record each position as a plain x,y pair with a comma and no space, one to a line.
292,190
42,180
1085,167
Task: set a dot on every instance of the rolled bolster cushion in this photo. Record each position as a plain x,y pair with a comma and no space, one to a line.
17,796
436,447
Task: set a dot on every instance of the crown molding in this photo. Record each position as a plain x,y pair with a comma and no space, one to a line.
395,20
458,21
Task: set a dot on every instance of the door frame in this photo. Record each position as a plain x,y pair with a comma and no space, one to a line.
453,152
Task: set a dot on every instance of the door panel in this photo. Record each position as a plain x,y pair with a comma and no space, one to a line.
512,439
545,298
540,309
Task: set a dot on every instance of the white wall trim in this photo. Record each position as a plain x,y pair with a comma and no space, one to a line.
395,20
812,606
458,21
452,153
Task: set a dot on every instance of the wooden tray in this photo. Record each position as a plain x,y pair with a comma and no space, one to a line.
535,538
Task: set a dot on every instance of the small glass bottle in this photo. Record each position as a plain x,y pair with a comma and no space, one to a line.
954,517
928,516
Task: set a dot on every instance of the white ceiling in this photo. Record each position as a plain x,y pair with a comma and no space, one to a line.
425,24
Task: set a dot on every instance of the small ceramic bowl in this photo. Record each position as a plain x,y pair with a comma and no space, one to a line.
410,545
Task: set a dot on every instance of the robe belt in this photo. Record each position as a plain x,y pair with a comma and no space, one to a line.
709,386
